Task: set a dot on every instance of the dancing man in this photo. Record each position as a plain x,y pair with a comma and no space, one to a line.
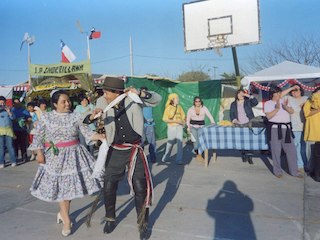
124,129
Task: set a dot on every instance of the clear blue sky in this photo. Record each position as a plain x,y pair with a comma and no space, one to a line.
156,27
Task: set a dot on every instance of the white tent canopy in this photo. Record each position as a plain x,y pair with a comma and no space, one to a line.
283,71
6,91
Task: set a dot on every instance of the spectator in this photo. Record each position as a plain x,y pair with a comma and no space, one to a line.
84,109
30,126
279,131
20,129
241,113
6,133
296,100
311,111
41,109
149,130
174,116
195,120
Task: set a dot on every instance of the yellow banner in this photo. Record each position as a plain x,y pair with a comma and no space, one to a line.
54,86
59,70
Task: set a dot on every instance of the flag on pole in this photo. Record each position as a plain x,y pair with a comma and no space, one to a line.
27,39
66,53
94,34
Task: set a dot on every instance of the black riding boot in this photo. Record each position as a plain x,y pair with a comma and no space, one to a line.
140,189
109,193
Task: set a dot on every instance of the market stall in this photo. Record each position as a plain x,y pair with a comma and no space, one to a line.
73,77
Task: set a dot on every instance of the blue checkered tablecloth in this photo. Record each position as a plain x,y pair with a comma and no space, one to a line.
218,137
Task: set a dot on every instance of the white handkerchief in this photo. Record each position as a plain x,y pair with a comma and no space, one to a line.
134,97
99,166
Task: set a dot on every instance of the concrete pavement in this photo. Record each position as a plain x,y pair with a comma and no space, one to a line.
227,200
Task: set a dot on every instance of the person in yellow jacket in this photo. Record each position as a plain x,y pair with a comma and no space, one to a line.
174,116
311,110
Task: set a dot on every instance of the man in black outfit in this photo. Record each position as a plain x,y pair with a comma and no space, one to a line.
124,129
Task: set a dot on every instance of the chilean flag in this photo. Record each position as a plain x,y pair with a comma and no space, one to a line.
94,34
66,54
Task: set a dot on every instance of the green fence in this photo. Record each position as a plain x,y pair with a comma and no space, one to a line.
209,91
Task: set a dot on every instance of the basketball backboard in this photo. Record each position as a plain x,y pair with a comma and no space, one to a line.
211,24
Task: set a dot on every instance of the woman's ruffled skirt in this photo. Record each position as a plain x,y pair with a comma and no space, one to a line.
66,176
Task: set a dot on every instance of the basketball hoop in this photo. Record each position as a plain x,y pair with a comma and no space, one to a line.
217,42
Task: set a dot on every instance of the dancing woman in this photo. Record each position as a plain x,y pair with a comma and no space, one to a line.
65,165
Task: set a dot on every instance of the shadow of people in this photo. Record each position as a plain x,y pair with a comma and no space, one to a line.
231,210
172,176
123,209
267,163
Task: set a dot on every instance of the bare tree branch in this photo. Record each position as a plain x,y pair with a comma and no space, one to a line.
303,50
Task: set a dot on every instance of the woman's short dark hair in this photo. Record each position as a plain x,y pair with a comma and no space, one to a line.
42,101
55,97
301,89
82,97
273,89
33,104
2,98
237,92
195,98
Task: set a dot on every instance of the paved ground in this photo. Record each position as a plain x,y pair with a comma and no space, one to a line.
228,200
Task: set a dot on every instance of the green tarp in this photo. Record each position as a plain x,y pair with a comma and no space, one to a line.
209,91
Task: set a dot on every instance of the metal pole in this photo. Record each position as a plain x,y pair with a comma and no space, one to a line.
215,72
29,61
88,47
236,65
131,57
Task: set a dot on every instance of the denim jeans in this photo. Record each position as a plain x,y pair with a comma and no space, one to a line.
194,132
6,141
149,135
300,145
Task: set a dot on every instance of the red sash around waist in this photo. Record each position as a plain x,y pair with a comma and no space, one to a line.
63,144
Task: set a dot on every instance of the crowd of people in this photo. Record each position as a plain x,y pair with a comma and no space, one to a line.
62,140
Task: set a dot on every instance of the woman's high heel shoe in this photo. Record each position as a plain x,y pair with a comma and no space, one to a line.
67,232
59,218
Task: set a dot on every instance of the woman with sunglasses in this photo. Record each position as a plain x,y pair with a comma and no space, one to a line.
195,120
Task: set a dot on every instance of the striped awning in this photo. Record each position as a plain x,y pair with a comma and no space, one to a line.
21,88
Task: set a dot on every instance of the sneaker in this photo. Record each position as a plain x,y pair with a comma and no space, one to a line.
13,164
1,165
33,157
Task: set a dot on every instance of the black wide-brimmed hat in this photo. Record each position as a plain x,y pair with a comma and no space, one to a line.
113,83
